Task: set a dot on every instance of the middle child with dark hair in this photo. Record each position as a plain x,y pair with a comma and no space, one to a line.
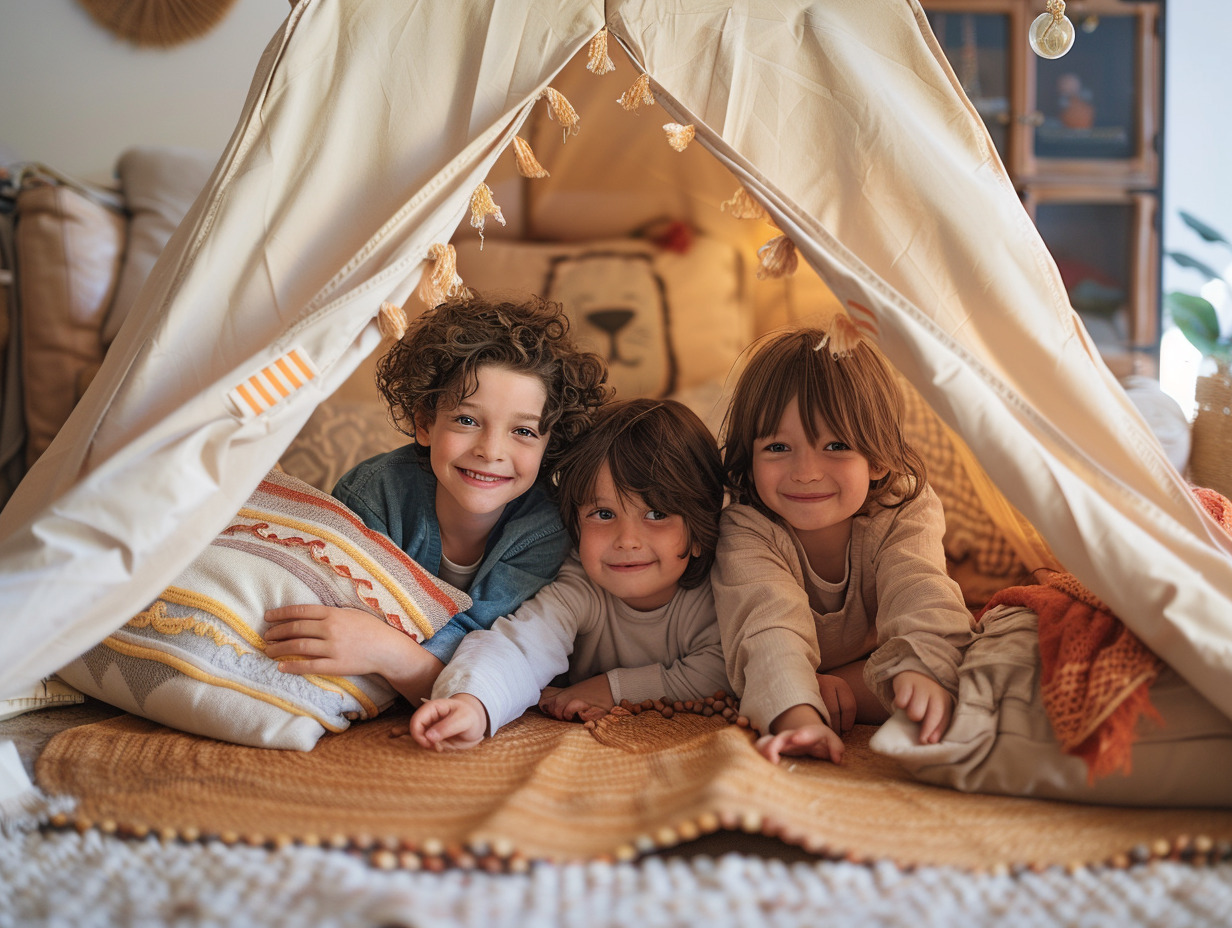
630,615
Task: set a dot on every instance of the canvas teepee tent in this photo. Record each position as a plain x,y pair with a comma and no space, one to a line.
369,124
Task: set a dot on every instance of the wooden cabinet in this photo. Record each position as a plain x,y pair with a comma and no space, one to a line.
1079,136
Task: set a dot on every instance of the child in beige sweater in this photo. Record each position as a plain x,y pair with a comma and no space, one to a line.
830,581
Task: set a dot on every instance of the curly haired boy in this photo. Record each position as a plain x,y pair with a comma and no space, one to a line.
491,391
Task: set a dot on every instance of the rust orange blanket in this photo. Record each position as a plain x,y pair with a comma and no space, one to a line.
1095,674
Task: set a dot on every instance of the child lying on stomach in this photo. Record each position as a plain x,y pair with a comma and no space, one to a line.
630,615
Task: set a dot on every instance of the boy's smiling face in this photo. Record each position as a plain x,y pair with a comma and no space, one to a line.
486,451
636,553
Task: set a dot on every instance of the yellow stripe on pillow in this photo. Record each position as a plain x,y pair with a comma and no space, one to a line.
412,610
194,600
191,670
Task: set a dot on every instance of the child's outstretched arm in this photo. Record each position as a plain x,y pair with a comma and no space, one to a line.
343,642
926,701
800,732
585,700
455,723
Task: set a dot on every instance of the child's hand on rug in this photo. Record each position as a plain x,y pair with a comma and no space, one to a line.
456,723
800,732
344,642
926,701
590,699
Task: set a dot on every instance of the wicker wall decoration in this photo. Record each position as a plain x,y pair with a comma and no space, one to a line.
158,23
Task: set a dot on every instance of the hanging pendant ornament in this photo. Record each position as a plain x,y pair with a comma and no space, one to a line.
1052,34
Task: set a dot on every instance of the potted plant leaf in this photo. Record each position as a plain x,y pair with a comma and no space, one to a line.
1210,461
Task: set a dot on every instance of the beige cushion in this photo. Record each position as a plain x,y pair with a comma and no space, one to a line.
160,184
337,436
1001,741
664,320
69,249
194,659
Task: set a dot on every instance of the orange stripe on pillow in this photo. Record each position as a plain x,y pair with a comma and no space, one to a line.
364,561
421,575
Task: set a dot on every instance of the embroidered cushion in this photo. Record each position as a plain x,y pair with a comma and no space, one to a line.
195,658
663,319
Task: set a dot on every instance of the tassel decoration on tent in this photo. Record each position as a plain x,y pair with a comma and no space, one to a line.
599,62
483,206
440,278
638,95
563,112
743,206
778,258
842,336
679,136
392,321
528,164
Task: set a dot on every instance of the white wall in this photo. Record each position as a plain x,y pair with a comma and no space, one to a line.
1197,159
74,97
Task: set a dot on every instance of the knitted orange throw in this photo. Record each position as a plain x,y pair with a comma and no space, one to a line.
1095,674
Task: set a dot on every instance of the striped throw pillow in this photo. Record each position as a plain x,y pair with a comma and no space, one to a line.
195,660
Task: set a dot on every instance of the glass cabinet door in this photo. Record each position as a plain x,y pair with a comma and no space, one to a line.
1090,112
978,40
1103,245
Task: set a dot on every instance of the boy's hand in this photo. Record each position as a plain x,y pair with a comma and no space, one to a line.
584,701
800,732
926,701
840,701
345,642
453,724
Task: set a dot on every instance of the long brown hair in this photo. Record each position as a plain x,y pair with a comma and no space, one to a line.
854,394
658,450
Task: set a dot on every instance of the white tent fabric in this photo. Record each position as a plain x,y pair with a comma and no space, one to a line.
369,124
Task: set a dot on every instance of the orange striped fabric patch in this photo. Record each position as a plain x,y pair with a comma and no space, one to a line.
273,383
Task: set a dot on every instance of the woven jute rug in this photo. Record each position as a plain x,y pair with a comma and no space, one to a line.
549,790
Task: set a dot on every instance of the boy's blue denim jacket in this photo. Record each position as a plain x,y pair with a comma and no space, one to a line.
395,493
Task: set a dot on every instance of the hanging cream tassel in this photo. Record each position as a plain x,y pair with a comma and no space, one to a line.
778,258
743,206
599,62
842,336
528,164
392,321
440,278
483,206
679,136
563,112
638,95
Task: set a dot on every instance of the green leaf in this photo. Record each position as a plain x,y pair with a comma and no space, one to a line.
1185,260
1197,320
1207,233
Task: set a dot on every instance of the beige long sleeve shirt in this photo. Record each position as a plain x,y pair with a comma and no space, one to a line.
781,624
574,626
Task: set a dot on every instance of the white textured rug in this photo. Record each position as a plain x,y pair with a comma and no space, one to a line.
66,879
